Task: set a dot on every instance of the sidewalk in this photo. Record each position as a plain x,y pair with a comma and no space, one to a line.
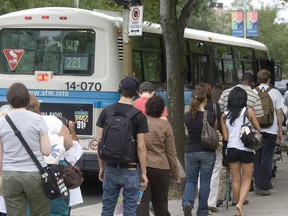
274,205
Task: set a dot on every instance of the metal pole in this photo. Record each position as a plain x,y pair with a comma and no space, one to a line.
245,19
127,46
76,3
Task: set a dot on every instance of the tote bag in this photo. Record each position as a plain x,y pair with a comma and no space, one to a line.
209,136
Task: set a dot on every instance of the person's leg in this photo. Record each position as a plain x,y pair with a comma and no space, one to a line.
130,181
143,207
222,186
214,185
13,193
160,189
192,167
38,203
265,167
235,169
247,170
206,168
111,190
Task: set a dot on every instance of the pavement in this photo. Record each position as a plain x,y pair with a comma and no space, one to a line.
274,205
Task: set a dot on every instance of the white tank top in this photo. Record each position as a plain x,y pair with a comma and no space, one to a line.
234,132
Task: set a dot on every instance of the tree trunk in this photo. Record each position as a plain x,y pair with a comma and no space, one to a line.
175,68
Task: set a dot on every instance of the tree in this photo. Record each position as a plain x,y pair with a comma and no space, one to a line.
173,26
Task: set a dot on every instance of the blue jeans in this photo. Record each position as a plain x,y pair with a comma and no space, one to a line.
115,179
198,163
264,161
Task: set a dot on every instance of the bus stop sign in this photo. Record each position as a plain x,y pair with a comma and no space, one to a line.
13,57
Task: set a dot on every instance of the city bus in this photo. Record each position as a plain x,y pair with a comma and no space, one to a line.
71,59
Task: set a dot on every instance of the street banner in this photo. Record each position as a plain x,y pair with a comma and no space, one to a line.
237,23
252,23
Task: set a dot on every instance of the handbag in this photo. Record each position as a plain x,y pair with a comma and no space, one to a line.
52,176
250,137
209,135
72,175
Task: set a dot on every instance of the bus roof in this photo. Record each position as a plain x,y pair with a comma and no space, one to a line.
82,18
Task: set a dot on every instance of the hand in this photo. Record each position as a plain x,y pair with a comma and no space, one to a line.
101,175
178,180
144,181
71,125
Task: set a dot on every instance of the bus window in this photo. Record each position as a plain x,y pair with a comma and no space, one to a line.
61,51
244,61
148,58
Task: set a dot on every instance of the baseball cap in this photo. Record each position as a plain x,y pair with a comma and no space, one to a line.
146,87
129,84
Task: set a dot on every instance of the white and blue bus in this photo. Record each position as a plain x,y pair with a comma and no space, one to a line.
72,59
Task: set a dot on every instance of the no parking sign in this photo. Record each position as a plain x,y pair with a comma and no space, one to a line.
135,20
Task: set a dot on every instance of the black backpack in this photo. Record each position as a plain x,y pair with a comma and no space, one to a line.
267,105
117,144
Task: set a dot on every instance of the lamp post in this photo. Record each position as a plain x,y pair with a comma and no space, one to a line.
244,19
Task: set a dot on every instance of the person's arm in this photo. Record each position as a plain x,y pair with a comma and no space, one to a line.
224,128
68,142
279,124
172,154
100,161
1,156
45,146
253,119
71,126
141,151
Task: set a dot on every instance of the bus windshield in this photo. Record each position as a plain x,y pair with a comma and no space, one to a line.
63,51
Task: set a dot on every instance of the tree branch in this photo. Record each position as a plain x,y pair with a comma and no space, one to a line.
185,14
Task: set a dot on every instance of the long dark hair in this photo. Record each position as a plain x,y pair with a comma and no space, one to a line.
237,99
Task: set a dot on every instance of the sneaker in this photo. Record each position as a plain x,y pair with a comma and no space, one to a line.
219,203
246,202
212,209
262,192
187,210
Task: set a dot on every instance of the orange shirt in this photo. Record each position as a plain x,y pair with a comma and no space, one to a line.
141,102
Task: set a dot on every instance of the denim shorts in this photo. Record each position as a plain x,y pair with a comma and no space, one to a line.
235,155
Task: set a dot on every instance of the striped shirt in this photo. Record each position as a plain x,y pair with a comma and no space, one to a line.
253,100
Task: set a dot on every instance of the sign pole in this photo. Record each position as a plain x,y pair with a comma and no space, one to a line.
244,19
127,47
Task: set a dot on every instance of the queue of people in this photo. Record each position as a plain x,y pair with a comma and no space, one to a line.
153,161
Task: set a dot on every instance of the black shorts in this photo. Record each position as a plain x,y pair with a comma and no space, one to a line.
235,155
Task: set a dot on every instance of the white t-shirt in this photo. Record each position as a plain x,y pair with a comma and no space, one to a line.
54,127
277,103
32,126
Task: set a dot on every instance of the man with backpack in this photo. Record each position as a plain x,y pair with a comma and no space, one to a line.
271,130
122,150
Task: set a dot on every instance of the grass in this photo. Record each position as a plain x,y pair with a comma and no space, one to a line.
176,190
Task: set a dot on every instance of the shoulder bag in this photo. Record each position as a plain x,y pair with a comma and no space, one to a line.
52,179
72,175
250,137
209,135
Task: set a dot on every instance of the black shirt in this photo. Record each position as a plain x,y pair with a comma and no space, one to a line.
194,127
